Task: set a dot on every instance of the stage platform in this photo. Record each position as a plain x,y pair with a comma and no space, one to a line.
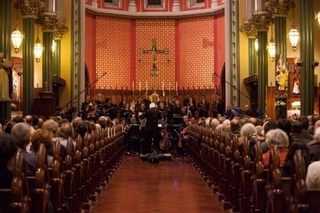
162,156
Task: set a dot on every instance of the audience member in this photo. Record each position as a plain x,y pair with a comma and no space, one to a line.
314,146
286,170
296,132
8,147
42,136
22,133
276,137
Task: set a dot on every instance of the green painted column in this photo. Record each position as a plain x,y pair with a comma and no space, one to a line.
28,65
48,22
252,56
47,68
56,59
29,14
307,57
280,35
6,28
262,69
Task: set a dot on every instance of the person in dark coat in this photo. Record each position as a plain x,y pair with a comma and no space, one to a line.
314,146
152,116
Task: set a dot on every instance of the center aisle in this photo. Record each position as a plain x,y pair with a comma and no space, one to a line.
170,186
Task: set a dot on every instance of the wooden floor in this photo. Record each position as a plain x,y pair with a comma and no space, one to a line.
141,187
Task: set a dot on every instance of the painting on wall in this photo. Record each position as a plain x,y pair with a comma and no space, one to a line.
282,75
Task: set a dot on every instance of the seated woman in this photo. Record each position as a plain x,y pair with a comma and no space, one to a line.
276,137
8,147
286,169
45,137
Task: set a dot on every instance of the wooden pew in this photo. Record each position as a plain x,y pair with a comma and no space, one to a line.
56,179
16,199
236,175
68,177
259,181
304,200
277,186
78,179
246,176
39,184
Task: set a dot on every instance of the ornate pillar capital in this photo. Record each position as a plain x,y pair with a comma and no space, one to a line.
48,21
261,19
30,8
59,30
279,7
249,29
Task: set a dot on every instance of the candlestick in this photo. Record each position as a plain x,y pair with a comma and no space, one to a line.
139,86
169,86
162,85
133,86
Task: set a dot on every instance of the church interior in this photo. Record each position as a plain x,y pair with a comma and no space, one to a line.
212,68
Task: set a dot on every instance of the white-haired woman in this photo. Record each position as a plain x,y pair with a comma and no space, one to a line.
276,137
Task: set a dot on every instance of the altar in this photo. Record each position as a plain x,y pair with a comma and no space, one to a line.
290,113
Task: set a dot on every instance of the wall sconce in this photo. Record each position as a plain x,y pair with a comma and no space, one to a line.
293,34
38,48
16,36
271,46
256,45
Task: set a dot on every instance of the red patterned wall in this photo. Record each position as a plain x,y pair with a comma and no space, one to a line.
196,52
90,45
113,52
219,47
163,30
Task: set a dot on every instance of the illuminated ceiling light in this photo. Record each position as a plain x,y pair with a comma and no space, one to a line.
293,34
38,49
294,38
271,46
16,36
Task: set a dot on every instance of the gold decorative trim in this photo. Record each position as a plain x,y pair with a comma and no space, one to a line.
261,19
279,7
30,8
249,29
59,30
48,21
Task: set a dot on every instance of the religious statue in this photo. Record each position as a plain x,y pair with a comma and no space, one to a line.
296,89
282,75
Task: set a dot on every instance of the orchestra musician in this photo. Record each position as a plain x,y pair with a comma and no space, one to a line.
203,108
163,112
191,107
218,107
110,109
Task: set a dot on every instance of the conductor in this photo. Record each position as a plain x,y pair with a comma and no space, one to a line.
152,116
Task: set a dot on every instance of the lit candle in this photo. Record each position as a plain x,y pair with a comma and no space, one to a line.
176,85
133,86
140,86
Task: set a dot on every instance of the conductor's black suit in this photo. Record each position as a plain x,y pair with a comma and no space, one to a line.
152,116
